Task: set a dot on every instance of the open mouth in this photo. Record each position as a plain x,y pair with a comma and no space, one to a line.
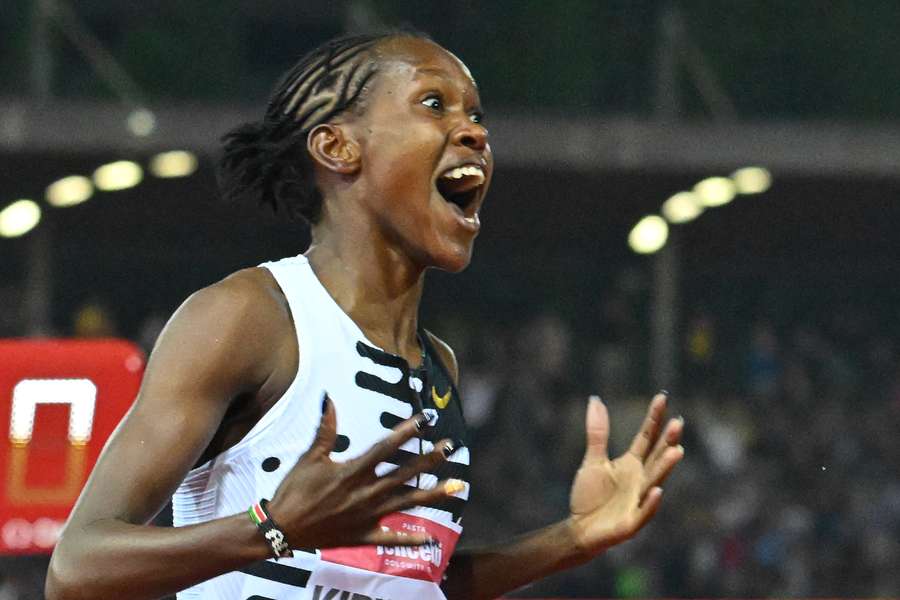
460,185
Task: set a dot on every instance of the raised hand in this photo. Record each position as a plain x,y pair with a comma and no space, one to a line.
611,500
324,504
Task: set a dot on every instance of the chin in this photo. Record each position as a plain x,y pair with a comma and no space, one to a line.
454,260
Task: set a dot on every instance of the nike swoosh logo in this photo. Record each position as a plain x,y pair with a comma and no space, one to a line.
440,401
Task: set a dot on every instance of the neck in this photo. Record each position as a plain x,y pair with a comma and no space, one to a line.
378,286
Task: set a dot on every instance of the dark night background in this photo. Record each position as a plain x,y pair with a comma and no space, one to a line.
788,337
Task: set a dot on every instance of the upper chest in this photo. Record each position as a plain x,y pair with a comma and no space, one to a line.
372,392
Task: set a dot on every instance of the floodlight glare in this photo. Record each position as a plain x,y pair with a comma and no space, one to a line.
682,208
141,122
649,235
752,180
19,218
177,163
69,191
118,175
715,191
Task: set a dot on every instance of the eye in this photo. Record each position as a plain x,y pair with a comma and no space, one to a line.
477,117
434,103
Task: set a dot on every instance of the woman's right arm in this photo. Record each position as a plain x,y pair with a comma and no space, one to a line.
203,359
218,345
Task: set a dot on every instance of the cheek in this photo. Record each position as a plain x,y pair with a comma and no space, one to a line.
403,163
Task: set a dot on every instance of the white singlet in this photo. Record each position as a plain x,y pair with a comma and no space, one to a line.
372,391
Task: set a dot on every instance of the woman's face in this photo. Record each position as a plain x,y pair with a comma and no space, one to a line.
425,158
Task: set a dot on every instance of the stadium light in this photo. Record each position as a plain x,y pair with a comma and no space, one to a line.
752,180
19,218
118,175
649,235
683,207
141,122
69,191
715,191
177,163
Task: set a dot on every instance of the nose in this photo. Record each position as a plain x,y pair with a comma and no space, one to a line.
471,135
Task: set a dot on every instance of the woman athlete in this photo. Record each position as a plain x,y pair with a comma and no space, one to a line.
309,380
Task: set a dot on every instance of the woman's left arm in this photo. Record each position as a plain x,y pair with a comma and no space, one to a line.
611,500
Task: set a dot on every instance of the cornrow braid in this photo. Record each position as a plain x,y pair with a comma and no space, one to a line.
267,160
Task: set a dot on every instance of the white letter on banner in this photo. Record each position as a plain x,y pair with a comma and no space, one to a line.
79,394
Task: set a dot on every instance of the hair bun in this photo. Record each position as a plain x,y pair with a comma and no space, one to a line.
261,165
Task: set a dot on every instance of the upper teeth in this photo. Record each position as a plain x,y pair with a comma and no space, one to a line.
465,171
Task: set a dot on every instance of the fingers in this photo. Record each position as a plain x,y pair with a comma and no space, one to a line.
649,432
386,447
648,507
596,425
419,497
665,455
382,536
660,470
425,462
670,437
326,434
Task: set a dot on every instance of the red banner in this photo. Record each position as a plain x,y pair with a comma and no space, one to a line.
59,402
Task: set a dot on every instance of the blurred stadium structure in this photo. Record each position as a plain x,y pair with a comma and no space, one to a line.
774,319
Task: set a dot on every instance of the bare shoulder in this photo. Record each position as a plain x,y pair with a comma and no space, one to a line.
238,323
448,357
247,301
246,291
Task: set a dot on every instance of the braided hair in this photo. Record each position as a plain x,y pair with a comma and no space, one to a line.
267,160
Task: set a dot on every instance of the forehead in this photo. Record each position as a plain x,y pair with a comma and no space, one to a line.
414,58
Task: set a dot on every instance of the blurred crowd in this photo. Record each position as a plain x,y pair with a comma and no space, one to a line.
790,483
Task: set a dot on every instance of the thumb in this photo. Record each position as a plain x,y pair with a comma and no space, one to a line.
326,434
596,425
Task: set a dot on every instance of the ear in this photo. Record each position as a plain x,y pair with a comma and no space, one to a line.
329,146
